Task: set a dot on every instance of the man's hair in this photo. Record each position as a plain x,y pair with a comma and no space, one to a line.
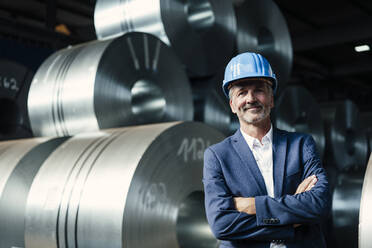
270,89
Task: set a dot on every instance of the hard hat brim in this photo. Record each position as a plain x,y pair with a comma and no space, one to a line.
227,85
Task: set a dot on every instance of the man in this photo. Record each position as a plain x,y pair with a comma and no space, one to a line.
264,187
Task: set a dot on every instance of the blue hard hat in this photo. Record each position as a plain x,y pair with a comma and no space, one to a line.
248,65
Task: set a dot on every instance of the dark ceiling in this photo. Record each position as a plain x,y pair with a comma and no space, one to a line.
324,34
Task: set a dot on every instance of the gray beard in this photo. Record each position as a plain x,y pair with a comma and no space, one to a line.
264,112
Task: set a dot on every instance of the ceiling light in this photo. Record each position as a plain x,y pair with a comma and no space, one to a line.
362,48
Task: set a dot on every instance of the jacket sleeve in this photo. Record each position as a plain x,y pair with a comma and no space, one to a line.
307,207
226,222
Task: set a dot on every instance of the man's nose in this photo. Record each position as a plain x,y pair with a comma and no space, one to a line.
250,97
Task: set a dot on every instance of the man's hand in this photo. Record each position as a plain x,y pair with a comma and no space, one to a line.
245,204
306,184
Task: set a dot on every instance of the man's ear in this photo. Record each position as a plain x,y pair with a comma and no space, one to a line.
272,101
232,107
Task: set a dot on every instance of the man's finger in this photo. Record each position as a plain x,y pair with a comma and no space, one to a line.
306,184
311,184
303,185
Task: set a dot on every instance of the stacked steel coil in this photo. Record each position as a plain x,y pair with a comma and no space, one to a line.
130,80
129,187
19,163
297,111
211,105
345,209
365,216
202,32
366,123
262,28
346,140
15,81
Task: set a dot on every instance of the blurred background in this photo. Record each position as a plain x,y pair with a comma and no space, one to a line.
72,66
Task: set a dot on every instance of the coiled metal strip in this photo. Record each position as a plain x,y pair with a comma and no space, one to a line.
15,81
263,29
134,79
202,32
346,141
128,187
297,110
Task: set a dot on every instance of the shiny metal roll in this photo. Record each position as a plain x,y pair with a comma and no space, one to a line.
346,141
19,163
15,81
211,105
202,32
130,80
345,209
366,123
297,110
365,216
263,29
130,187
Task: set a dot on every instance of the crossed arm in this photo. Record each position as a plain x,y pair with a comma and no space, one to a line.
247,204
236,218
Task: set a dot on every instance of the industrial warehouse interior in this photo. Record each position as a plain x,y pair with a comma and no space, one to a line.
107,107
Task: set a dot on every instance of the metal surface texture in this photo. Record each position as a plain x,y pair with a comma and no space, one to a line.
346,141
202,32
211,105
365,214
14,189
130,80
263,29
296,110
129,187
366,123
345,209
15,81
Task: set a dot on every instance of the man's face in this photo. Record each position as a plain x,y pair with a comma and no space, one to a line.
251,100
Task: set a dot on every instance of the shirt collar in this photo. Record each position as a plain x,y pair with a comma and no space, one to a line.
251,141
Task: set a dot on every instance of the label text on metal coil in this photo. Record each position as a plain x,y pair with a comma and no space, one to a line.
193,149
9,83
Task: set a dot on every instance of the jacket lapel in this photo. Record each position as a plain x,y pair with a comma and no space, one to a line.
279,155
247,158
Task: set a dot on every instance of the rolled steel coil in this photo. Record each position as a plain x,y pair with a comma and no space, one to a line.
346,141
130,80
15,81
211,105
19,163
262,28
365,214
202,32
297,110
366,123
345,209
129,187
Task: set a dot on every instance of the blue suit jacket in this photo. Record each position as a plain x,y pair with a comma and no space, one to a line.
230,170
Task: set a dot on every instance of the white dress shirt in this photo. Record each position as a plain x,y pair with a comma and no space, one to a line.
263,154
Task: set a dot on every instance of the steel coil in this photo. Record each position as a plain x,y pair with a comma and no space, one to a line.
19,163
130,80
263,29
346,141
202,32
366,123
15,81
297,110
365,216
128,187
211,105
345,209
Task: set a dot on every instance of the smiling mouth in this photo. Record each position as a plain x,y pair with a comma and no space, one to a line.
253,108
